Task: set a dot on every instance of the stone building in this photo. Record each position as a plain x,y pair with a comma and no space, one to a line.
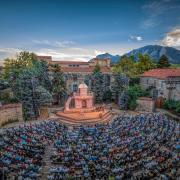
76,72
165,82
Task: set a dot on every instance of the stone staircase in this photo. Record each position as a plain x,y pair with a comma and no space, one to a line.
46,164
74,122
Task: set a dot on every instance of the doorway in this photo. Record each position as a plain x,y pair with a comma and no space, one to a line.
84,104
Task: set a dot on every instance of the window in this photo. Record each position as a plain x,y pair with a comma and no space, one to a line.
75,87
75,77
147,81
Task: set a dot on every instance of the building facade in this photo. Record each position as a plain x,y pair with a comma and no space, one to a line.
165,82
77,72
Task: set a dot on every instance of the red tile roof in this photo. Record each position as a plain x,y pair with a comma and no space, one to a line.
70,62
84,69
162,73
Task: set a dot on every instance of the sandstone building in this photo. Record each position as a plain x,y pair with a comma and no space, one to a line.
166,82
76,72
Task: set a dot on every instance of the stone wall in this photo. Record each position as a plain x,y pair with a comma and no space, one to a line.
162,87
10,112
145,104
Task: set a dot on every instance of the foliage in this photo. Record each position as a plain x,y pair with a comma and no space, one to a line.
177,110
30,82
3,84
58,83
175,65
96,69
40,71
13,67
107,95
169,104
172,105
133,93
98,86
163,62
123,100
119,85
125,66
134,80
144,63
7,97
32,95
130,68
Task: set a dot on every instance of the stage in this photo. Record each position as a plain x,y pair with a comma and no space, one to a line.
78,118
80,109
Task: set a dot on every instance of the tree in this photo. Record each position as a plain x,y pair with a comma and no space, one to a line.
96,69
40,70
3,84
13,67
133,93
30,82
125,66
119,85
97,84
144,63
58,83
31,94
163,62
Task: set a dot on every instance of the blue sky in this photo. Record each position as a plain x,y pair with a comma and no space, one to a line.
81,29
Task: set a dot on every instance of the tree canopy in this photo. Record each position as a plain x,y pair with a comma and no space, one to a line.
163,62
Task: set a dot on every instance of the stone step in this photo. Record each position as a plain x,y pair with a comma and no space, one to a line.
107,118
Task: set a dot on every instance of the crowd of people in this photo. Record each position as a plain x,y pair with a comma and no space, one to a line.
144,146
22,149
140,147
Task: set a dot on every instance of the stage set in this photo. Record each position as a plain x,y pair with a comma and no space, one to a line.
80,109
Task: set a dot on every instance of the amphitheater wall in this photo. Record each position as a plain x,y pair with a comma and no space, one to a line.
10,112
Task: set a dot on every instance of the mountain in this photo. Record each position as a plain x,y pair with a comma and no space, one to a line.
154,51
114,58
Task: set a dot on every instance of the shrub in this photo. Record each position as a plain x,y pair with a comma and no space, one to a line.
170,104
178,107
133,93
132,105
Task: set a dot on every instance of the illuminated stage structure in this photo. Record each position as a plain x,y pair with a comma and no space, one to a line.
80,109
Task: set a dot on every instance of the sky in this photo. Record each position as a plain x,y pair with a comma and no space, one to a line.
82,29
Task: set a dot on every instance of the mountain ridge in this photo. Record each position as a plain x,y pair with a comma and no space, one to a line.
154,51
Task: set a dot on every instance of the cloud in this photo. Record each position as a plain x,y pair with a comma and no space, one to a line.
67,54
8,52
172,38
149,23
156,9
136,38
97,52
58,44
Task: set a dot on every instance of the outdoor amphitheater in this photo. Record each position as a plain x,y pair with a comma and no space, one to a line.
143,146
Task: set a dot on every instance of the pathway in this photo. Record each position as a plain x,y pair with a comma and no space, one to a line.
46,164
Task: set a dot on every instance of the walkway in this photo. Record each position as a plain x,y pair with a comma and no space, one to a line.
168,114
46,164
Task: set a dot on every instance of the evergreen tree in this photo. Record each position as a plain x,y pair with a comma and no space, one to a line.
97,84
119,85
96,69
29,92
163,62
40,70
144,63
58,83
